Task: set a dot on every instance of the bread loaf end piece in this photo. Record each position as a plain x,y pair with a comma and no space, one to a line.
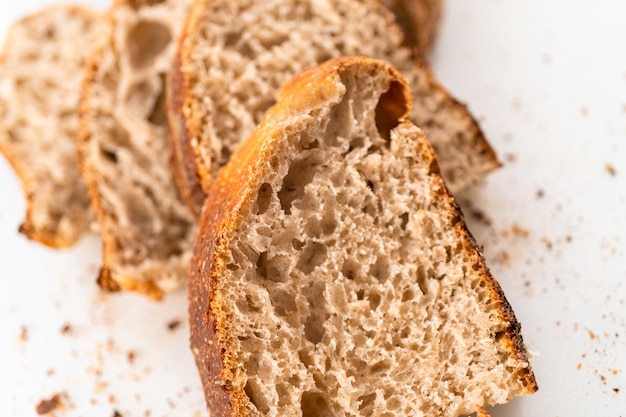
41,69
334,274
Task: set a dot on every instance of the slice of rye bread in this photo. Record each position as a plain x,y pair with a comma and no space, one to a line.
124,151
41,68
334,275
234,55
419,19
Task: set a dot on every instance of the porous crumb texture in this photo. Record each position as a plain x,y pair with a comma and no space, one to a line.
125,154
41,69
235,55
347,284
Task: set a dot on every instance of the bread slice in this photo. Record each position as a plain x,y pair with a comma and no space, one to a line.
41,69
334,274
125,154
234,55
419,19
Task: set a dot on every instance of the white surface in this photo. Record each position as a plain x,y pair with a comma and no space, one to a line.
548,82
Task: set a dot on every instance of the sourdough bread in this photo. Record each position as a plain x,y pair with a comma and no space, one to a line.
334,275
235,54
125,154
41,69
419,19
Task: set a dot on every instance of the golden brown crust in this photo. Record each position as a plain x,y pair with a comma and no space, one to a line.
184,163
232,194
28,228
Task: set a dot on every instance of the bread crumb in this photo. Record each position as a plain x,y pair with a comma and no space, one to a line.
610,169
592,335
23,337
130,356
540,194
584,112
173,324
117,414
46,406
616,390
579,366
510,157
66,329
519,231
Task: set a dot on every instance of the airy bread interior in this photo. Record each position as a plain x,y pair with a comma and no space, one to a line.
235,55
125,155
40,74
344,282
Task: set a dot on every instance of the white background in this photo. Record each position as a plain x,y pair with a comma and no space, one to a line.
547,80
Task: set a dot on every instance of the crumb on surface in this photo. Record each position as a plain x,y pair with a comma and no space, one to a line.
48,405
174,324
117,414
610,169
131,356
520,231
66,329
540,193
23,337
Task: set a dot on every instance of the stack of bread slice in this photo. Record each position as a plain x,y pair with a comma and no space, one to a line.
333,274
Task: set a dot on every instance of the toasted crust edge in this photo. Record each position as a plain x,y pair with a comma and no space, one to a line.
184,162
231,196
27,227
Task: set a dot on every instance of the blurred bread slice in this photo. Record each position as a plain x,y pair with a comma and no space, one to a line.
41,69
234,55
124,151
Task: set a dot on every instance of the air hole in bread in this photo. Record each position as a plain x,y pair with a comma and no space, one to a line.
380,367
313,255
297,244
264,198
301,173
422,279
158,114
408,295
314,326
349,269
391,107
381,269
256,397
108,155
283,303
146,41
248,306
366,402
314,404
404,220
374,299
